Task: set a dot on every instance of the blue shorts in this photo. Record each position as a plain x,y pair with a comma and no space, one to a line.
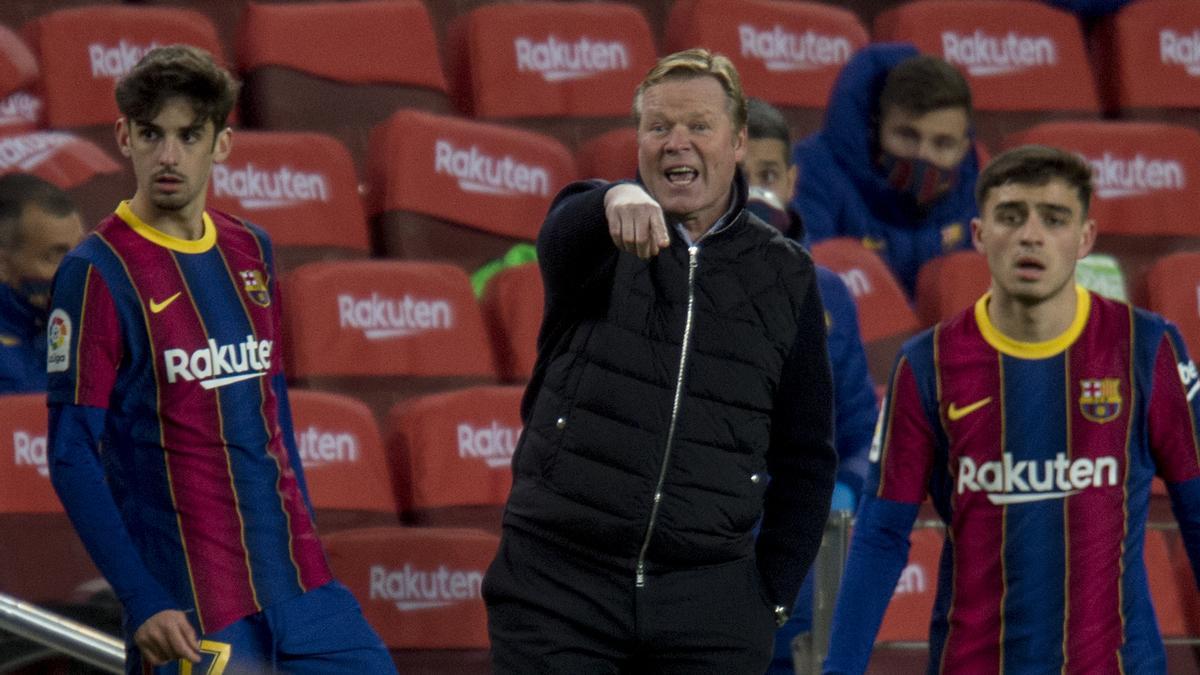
320,632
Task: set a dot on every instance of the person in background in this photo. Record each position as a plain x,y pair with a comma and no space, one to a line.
1035,422
39,224
772,176
894,166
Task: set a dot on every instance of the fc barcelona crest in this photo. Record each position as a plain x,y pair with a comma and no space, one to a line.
255,287
1100,399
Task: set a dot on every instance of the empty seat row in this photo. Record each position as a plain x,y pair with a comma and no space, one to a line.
569,69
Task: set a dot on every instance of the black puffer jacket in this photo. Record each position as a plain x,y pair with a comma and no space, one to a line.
605,429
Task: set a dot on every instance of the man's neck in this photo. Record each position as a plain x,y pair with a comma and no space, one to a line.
186,223
1037,322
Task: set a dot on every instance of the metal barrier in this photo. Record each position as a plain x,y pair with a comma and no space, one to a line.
62,634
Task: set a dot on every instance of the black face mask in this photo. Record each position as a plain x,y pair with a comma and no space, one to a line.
921,180
36,292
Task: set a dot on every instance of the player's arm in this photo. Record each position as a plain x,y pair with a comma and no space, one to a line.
902,458
1174,424
800,460
83,352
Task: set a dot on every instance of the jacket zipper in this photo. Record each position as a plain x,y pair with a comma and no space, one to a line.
693,259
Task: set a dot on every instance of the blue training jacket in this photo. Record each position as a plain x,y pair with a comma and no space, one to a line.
22,344
841,192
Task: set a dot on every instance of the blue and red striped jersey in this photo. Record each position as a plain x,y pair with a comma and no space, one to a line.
179,341
1039,457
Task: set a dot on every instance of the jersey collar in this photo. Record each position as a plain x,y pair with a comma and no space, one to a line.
1034,350
201,245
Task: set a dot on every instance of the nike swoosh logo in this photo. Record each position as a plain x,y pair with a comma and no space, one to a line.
156,307
956,413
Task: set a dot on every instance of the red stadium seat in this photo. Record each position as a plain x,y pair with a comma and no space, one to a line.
512,309
452,455
1025,61
42,559
1173,290
1165,591
611,156
338,67
20,106
566,69
383,331
787,53
419,587
1149,53
301,188
884,315
949,284
444,188
344,462
1147,186
908,613
95,181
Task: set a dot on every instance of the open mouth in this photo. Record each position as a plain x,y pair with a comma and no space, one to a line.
681,175
1030,267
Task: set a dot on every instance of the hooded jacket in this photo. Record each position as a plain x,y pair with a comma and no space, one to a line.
22,344
677,400
841,192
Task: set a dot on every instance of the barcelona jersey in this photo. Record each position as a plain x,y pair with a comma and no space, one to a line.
1039,457
179,341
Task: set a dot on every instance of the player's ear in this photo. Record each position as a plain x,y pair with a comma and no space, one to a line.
976,237
1087,238
121,129
223,145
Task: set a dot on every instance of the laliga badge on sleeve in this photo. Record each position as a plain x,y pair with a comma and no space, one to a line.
58,342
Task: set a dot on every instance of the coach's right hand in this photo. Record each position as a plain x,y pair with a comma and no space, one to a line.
167,636
635,221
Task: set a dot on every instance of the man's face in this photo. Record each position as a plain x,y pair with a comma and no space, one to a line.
172,155
44,240
1032,236
766,166
938,137
688,149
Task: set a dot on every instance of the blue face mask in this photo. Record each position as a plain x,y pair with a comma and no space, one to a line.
35,291
923,181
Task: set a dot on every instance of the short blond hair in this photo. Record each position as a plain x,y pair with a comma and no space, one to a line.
692,63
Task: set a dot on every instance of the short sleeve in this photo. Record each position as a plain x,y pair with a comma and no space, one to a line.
1174,410
902,452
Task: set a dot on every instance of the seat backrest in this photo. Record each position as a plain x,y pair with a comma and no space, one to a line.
83,51
25,478
338,67
611,156
455,449
419,587
444,188
1149,52
1146,175
1173,290
949,284
787,53
20,105
549,59
884,316
1025,61
908,613
512,309
344,462
300,187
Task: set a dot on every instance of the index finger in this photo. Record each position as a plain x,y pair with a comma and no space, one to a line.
658,229
182,639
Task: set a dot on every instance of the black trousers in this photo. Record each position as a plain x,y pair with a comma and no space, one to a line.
554,611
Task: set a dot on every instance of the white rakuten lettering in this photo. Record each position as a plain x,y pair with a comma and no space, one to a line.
27,151
1180,50
493,444
782,50
319,447
19,108
1013,482
380,318
110,61
218,365
412,588
1117,177
256,188
477,171
557,60
984,55
30,450
857,281
912,580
